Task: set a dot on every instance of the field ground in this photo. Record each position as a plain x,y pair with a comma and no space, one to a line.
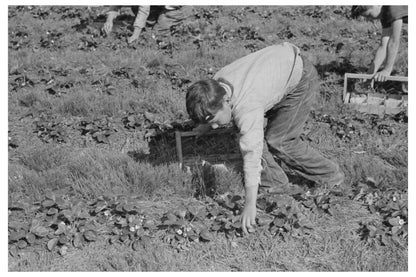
91,150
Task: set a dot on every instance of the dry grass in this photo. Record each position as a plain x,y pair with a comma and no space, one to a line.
92,172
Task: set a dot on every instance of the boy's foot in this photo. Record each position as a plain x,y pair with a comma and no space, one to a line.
334,186
288,189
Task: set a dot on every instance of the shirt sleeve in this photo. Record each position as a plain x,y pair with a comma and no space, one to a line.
393,13
251,144
172,7
142,15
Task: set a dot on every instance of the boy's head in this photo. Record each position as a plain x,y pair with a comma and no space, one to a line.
207,103
371,12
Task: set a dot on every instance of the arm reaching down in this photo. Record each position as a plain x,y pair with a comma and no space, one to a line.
387,51
251,146
111,15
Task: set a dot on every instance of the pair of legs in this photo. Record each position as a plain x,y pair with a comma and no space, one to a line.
282,138
166,18
161,20
159,17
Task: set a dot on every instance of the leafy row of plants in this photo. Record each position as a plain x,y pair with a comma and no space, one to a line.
347,127
43,12
59,222
51,131
51,128
392,207
99,129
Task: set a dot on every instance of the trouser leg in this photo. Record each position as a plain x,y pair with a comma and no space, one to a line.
170,18
285,126
272,174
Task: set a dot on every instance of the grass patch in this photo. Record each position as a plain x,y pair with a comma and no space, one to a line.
92,172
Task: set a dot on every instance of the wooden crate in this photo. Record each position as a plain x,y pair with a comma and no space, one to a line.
216,158
375,103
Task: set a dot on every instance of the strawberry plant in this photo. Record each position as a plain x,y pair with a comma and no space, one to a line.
208,14
21,82
50,131
285,216
185,227
18,39
87,44
52,40
40,13
226,215
349,127
99,129
59,222
392,207
133,121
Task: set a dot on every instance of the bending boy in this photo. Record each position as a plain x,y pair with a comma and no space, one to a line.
392,19
278,83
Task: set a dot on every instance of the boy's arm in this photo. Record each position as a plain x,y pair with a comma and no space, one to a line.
380,52
392,50
388,50
251,146
113,12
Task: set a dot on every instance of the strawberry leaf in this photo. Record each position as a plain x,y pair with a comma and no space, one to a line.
52,243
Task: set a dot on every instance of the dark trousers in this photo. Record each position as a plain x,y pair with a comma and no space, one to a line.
162,19
282,138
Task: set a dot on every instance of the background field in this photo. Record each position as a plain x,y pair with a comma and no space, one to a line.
94,115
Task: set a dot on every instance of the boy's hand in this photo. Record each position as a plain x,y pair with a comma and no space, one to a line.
248,217
381,76
108,25
135,35
201,129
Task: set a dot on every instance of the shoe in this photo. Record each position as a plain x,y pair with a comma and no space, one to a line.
163,44
335,186
287,189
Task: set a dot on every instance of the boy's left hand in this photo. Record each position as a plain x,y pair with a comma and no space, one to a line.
381,76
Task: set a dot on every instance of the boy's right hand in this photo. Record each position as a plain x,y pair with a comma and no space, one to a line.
201,129
108,25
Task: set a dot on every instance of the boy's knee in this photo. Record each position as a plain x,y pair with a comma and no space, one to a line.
278,143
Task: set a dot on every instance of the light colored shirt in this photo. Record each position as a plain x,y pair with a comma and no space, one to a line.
260,80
